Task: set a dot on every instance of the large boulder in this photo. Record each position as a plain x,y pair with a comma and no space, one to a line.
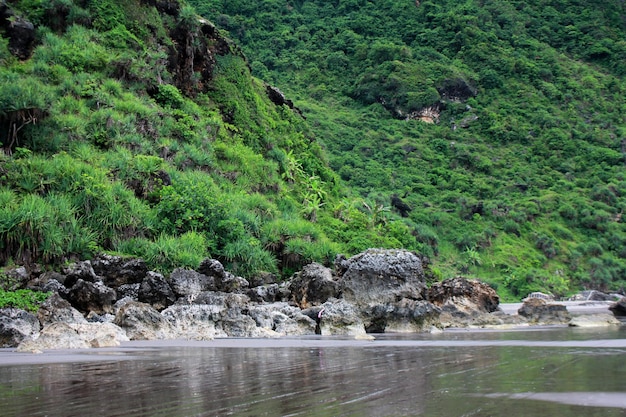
79,271
15,278
618,308
269,293
464,302
116,270
468,295
223,280
314,285
594,320
195,322
17,325
188,284
404,316
282,319
388,288
21,33
382,276
92,296
155,291
56,309
142,322
59,335
538,311
339,317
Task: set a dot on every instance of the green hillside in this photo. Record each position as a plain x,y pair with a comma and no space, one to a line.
488,136
520,178
135,127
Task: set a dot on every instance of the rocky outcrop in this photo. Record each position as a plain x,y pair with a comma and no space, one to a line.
379,276
155,290
116,270
619,308
189,283
388,289
141,321
60,335
594,320
56,309
17,325
92,297
314,285
21,32
465,303
373,292
538,311
339,317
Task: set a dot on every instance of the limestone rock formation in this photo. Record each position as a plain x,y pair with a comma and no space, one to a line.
314,285
16,325
538,311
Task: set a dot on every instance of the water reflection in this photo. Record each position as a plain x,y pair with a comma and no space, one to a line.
342,378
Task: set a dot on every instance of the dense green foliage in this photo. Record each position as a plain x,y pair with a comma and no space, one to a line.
109,145
520,181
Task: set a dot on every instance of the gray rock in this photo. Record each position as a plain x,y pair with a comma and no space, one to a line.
15,278
262,279
594,320
404,316
59,335
92,296
282,319
465,303
188,283
223,300
141,321
128,291
266,293
46,279
79,271
231,283
56,309
312,286
538,311
17,325
212,268
116,270
466,295
383,276
155,290
20,32
56,287
195,322
619,308
224,280
338,317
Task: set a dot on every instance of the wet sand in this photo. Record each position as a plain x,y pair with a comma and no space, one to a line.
136,349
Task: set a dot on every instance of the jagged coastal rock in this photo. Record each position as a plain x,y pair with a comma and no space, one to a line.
110,299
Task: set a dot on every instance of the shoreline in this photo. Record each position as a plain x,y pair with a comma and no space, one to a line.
575,308
141,349
137,349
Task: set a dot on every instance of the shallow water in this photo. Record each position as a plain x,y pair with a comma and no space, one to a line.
549,372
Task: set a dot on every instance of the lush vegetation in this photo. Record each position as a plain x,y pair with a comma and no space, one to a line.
520,180
487,135
23,299
109,145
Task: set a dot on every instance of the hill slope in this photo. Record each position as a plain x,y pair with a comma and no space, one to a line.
136,127
494,130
